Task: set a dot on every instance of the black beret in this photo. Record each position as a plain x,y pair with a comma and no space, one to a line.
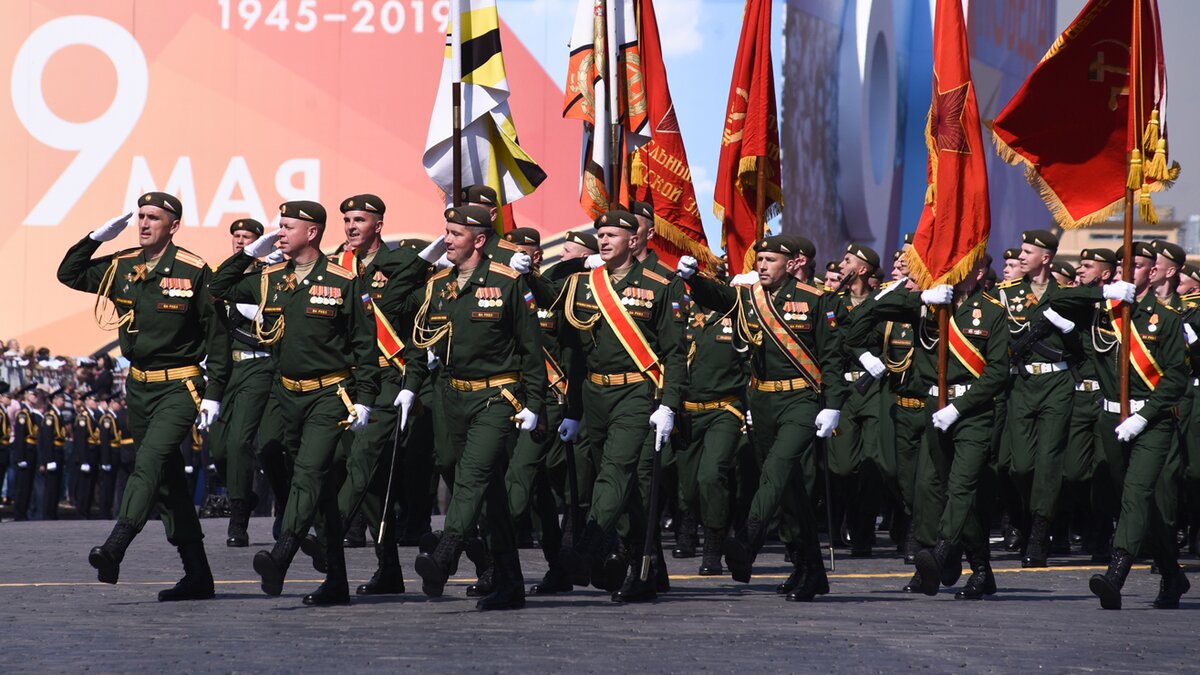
864,254
779,243
27,388
365,202
617,218
57,392
1191,271
90,393
248,225
833,266
896,255
1064,269
524,235
470,215
643,209
803,246
480,194
908,237
1012,253
415,244
163,201
1041,238
1172,252
1099,255
584,239
1141,249
303,210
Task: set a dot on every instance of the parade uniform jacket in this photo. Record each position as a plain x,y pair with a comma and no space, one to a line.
110,440
1023,308
25,438
717,361
1160,328
661,323
168,318
6,438
391,278
487,328
325,319
52,439
809,312
87,438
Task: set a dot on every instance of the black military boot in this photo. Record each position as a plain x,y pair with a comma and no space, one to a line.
930,563
815,582
982,582
685,536
239,521
389,577
710,555
107,557
508,587
555,580
577,560
272,565
1035,548
951,566
740,550
435,568
1172,584
1108,586
1102,538
662,576
911,545
313,548
475,548
428,541
197,581
798,569
1013,539
634,589
914,584
356,531
335,590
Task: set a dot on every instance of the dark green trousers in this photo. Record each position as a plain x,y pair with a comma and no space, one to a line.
784,432
1134,471
706,465
1039,422
309,425
370,456
161,415
1079,460
231,438
908,427
950,471
618,423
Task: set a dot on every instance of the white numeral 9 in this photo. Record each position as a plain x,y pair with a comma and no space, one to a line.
96,140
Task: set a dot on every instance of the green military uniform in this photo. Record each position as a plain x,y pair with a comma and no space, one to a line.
1189,422
494,362
323,334
785,404
167,325
52,461
904,403
1136,466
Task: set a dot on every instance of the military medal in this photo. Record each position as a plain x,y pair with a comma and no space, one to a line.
803,311
1153,323
378,280
976,314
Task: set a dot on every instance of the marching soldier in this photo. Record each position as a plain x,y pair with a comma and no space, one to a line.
167,326
796,393
1136,448
481,311
316,316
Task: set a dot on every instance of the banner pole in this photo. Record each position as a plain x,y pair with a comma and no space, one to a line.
456,98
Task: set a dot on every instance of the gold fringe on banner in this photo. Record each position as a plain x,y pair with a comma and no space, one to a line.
924,279
1151,136
637,170
1135,180
1146,207
676,237
1156,167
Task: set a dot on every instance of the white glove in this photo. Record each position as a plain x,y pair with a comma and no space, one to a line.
946,417
827,421
432,359
189,470
1189,333
593,261
521,262
432,252
275,257
263,245
404,401
749,420
526,420
663,420
687,267
246,309
1062,323
938,295
1131,427
744,279
86,468
112,229
442,262
22,465
106,467
568,430
52,466
1119,290
359,418
872,364
210,410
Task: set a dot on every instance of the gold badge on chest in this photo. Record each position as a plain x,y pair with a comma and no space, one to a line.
287,284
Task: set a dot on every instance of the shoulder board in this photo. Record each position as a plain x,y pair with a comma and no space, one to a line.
271,269
1008,284
127,253
507,245
337,270
813,289
440,274
190,258
654,276
886,284
503,270
1190,297
1166,304
993,300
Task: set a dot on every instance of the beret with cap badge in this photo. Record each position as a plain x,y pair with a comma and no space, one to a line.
303,210
364,202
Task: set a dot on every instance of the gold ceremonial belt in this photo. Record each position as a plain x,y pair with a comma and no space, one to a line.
910,403
313,384
487,382
616,379
704,406
167,375
780,385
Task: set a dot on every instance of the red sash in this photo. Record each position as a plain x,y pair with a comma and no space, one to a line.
386,337
622,324
795,350
963,350
555,375
1139,354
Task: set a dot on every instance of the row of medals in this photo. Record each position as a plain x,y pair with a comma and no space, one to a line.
324,300
177,293
637,302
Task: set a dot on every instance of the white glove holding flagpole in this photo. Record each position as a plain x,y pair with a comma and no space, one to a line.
1119,290
938,295
687,267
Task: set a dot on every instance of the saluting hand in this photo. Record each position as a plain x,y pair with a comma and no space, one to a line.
111,229
521,262
263,245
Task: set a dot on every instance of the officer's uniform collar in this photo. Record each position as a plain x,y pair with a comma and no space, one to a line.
165,264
